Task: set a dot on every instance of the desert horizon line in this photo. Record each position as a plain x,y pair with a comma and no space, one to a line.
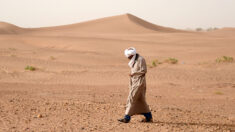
123,14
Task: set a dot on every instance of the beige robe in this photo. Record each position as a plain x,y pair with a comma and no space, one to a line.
136,103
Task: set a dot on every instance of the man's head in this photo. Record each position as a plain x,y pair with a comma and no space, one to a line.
130,52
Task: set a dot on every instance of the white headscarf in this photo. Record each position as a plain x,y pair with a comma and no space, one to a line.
129,52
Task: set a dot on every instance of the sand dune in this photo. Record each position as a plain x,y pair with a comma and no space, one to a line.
6,28
81,77
223,32
124,24
227,29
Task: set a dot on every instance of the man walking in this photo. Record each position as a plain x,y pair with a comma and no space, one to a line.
136,103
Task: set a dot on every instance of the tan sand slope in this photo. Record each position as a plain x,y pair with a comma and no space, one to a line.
6,28
126,24
223,32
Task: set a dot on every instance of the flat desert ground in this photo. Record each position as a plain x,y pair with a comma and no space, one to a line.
81,78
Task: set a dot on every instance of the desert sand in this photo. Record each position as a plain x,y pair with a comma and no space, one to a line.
81,78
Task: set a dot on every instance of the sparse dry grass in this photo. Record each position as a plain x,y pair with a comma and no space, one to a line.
30,68
219,93
13,55
224,59
156,62
13,49
171,61
52,58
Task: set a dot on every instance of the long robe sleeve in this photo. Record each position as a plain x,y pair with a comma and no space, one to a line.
140,69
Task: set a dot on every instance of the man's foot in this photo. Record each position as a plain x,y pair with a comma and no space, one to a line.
124,120
147,120
148,117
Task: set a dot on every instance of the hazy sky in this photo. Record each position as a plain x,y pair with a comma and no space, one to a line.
173,13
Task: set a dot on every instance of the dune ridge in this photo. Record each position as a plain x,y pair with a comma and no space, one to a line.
151,26
126,23
7,28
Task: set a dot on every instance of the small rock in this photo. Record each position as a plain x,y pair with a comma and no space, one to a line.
39,116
